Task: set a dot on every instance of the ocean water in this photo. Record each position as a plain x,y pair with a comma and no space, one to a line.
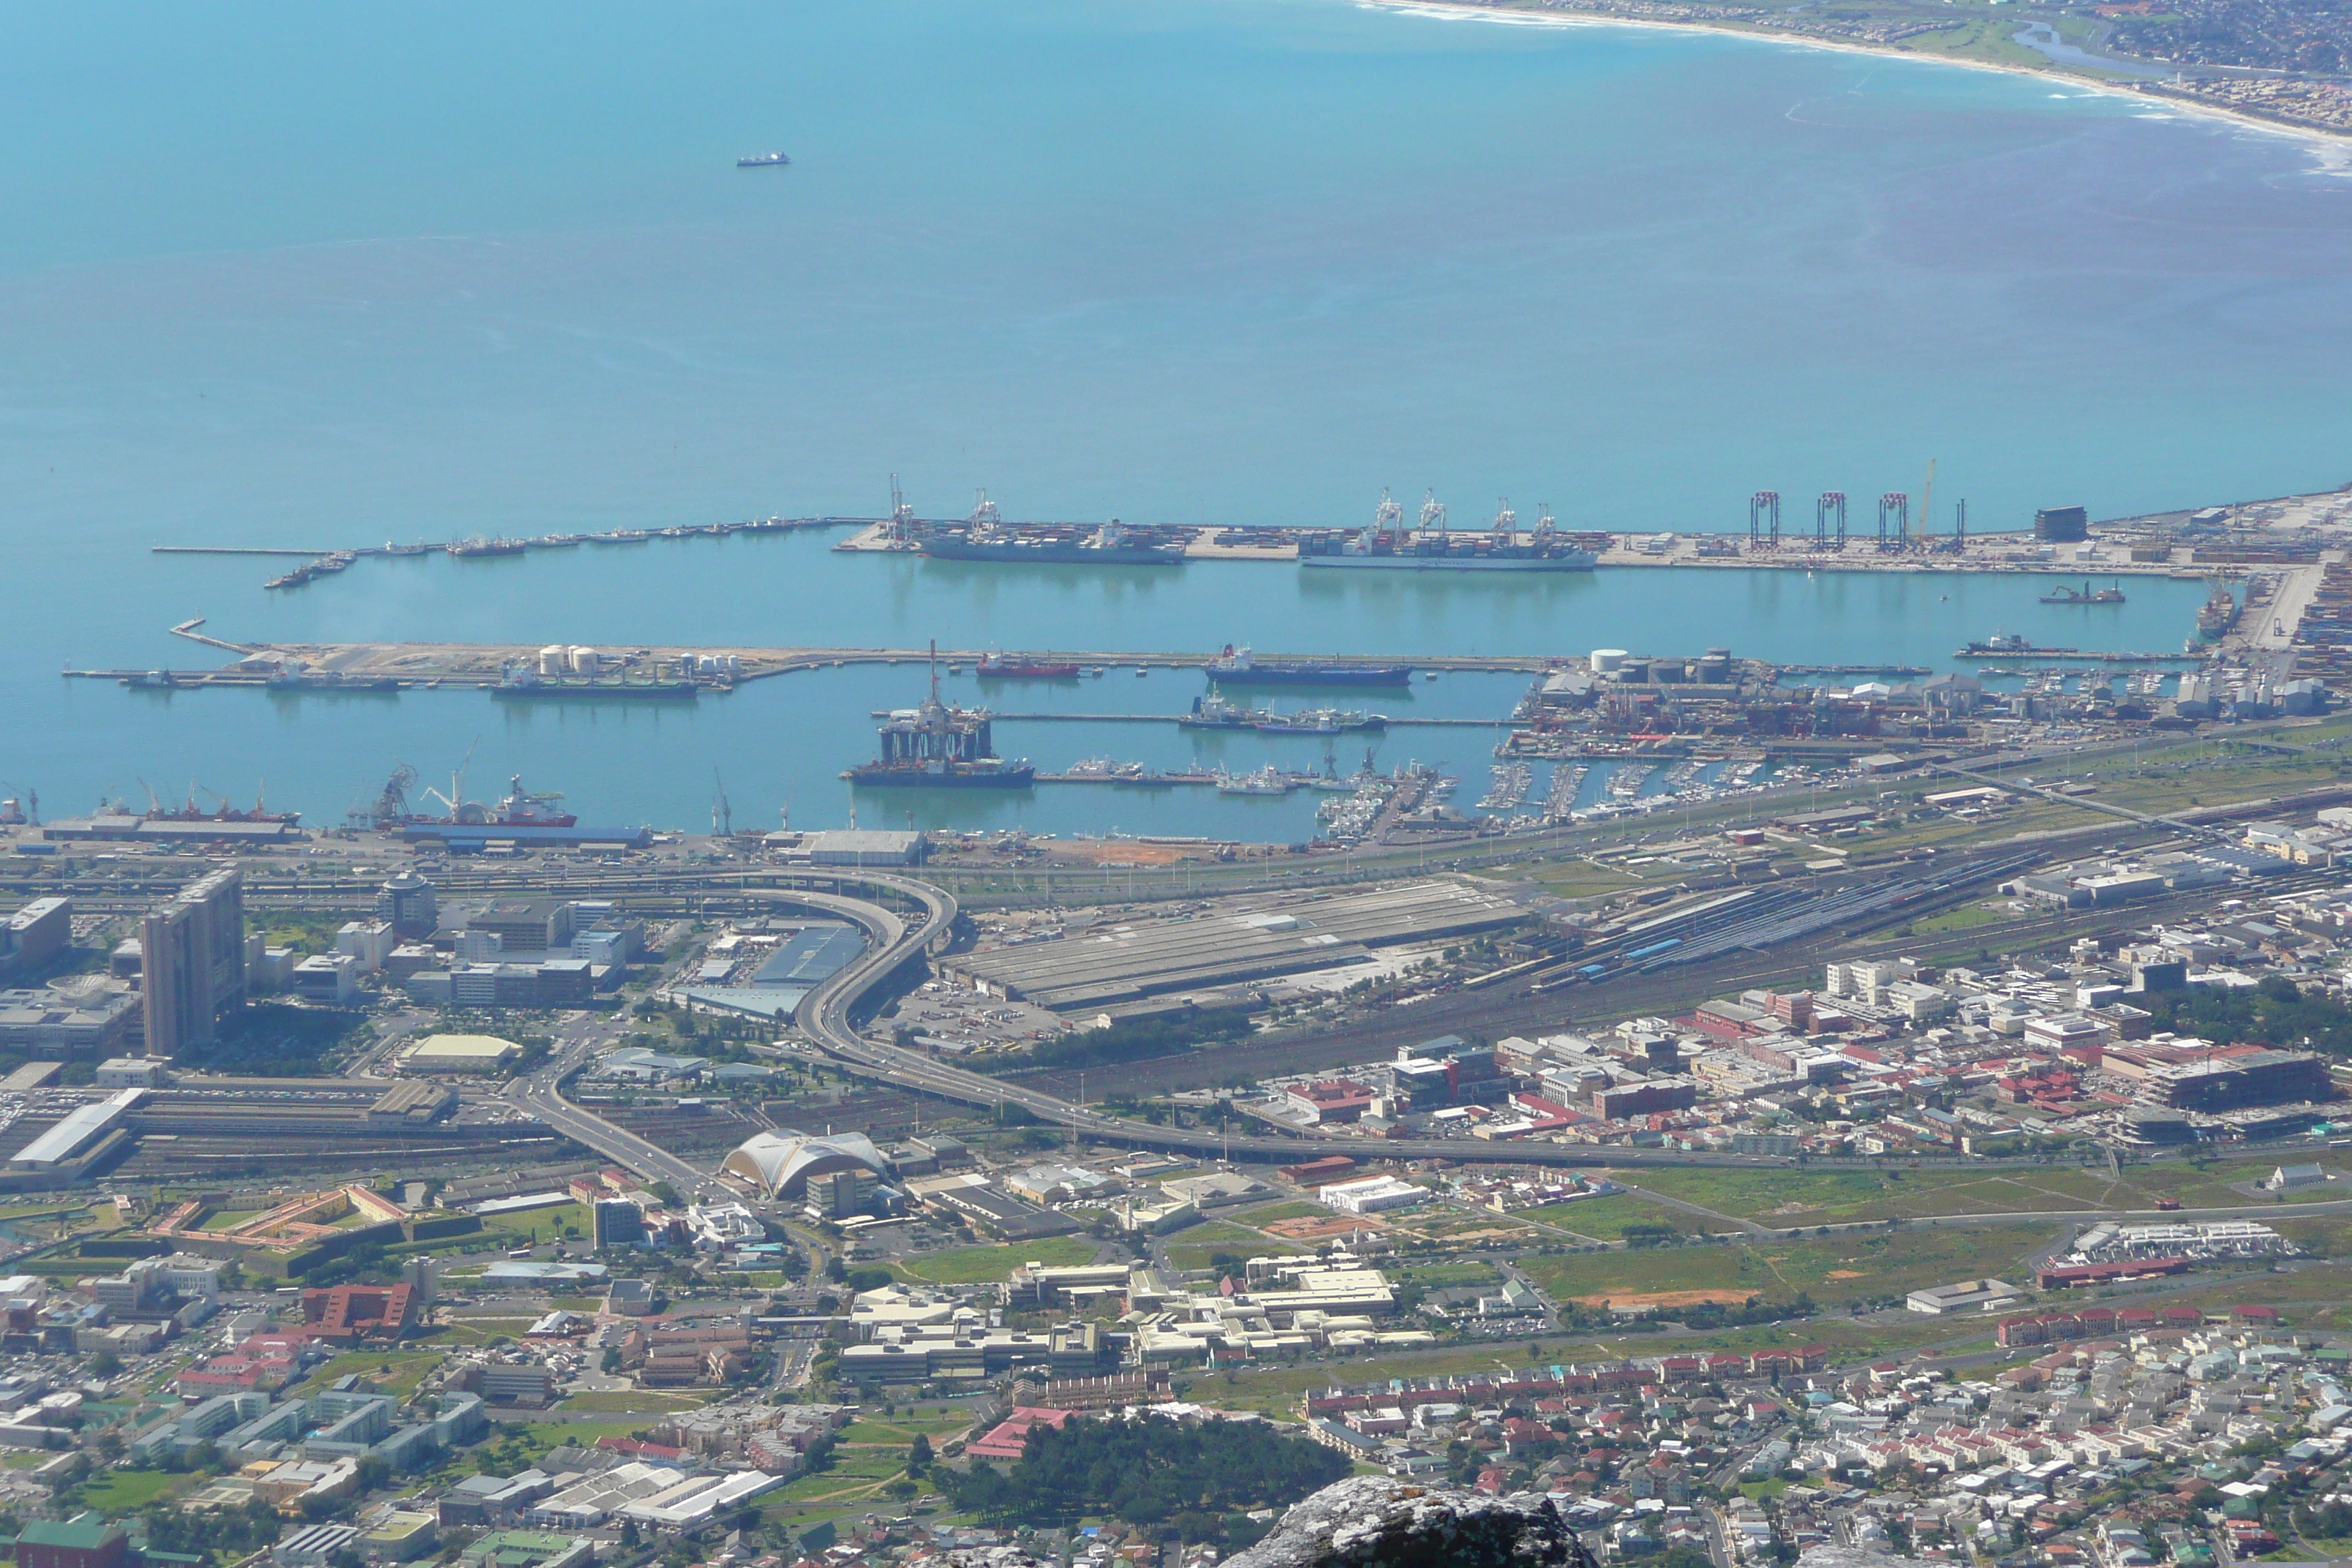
337,276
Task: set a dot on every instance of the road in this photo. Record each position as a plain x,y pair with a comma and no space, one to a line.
825,1015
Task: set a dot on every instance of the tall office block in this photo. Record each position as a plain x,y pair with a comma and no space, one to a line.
193,964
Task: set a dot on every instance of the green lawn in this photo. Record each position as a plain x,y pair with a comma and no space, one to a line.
632,1401
1204,1241
977,1264
127,1492
902,1429
1266,1214
409,1368
548,1223
1447,1276
1605,1218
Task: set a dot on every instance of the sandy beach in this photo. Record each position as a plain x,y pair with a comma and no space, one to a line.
1473,10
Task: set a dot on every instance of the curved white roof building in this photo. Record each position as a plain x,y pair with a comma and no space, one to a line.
783,1162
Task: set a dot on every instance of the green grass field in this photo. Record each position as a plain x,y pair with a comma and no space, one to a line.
1797,1197
978,1265
1832,1271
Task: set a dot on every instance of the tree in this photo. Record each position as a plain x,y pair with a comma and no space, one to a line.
918,1454
105,1363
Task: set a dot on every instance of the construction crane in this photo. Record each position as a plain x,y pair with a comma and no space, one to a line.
457,781
1927,508
722,815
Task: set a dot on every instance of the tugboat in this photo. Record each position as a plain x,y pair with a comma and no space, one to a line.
937,746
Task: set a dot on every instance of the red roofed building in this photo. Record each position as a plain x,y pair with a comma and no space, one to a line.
1334,1100
352,1312
1010,1438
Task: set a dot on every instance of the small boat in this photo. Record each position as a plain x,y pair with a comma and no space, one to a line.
763,160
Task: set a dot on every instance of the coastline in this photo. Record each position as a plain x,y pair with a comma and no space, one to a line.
1575,17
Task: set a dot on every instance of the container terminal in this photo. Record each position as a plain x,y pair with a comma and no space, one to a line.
2063,541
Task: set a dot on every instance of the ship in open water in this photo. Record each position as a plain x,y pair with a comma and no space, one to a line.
1502,546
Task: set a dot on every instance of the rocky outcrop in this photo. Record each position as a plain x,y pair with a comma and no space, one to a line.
1382,1521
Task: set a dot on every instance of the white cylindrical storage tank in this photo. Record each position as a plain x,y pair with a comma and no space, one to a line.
1607,660
731,663
555,658
583,661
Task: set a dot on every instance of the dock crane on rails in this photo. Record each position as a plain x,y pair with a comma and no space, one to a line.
1927,508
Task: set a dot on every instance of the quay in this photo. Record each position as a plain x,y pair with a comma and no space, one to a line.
2082,656
399,666
1391,722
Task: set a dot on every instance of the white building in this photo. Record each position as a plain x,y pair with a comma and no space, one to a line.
369,941
327,977
1371,1195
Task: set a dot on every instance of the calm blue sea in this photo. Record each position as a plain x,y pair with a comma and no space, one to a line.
337,275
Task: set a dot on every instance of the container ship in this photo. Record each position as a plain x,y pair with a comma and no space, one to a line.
1502,546
1238,666
1021,666
2219,614
937,746
986,536
1113,544
468,549
522,688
